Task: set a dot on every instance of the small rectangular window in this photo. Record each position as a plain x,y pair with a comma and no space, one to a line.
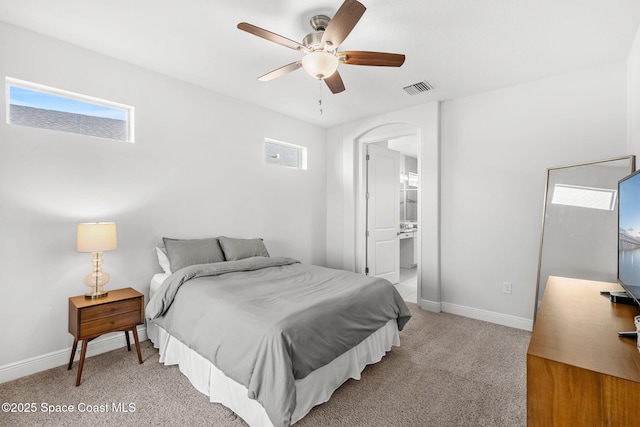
285,154
38,106
584,197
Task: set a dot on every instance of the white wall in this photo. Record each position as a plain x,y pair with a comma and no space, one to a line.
633,98
496,147
196,169
484,166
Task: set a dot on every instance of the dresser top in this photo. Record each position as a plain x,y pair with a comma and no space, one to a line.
577,326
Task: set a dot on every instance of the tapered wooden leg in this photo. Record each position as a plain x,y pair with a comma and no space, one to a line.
135,338
126,334
73,352
83,353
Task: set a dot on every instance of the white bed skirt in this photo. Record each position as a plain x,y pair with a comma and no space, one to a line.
313,390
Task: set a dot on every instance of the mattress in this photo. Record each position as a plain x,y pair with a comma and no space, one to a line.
316,388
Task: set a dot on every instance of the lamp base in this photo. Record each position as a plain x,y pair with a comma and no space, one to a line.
97,278
96,294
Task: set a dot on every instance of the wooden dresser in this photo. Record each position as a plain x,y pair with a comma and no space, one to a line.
579,372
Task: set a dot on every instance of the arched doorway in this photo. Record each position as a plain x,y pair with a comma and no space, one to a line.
389,245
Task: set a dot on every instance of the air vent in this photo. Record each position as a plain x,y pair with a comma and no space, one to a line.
417,88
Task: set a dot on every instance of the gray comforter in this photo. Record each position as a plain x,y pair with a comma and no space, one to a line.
266,322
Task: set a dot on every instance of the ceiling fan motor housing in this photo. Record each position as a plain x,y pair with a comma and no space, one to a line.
313,41
319,22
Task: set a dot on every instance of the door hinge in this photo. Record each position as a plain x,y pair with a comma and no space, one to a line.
366,271
367,157
366,233
367,196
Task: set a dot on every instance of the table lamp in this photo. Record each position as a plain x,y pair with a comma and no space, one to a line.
96,237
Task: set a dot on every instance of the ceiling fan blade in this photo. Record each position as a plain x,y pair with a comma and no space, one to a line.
272,37
279,72
380,59
343,22
334,82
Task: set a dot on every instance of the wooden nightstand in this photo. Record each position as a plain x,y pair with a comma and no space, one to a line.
121,310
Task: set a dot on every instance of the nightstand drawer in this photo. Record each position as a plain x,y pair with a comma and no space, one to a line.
113,309
110,324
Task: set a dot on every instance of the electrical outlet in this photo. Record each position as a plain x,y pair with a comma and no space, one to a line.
506,287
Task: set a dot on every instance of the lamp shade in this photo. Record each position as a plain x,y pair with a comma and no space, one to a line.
96,237
320,64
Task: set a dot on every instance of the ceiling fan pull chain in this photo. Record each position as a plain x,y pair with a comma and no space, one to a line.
320,97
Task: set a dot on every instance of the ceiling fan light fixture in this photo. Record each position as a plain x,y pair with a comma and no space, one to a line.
320,64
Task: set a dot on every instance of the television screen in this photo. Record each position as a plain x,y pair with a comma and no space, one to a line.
629,234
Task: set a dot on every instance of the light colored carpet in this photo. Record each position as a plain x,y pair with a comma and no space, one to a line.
449,371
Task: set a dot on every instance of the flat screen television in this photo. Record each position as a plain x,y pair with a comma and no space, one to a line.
629,235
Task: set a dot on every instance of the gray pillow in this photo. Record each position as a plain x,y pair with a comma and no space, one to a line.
235,249
185,252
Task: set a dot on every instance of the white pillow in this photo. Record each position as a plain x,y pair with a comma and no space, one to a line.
163,260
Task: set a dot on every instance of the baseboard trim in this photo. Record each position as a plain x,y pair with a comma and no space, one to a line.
489,316
433,306
54,359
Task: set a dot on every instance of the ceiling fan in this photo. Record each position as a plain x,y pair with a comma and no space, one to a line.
321,57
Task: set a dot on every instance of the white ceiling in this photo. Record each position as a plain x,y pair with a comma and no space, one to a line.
459,46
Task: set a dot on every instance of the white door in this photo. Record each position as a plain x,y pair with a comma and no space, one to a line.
383,213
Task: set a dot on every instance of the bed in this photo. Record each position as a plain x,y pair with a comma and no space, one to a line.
268,337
